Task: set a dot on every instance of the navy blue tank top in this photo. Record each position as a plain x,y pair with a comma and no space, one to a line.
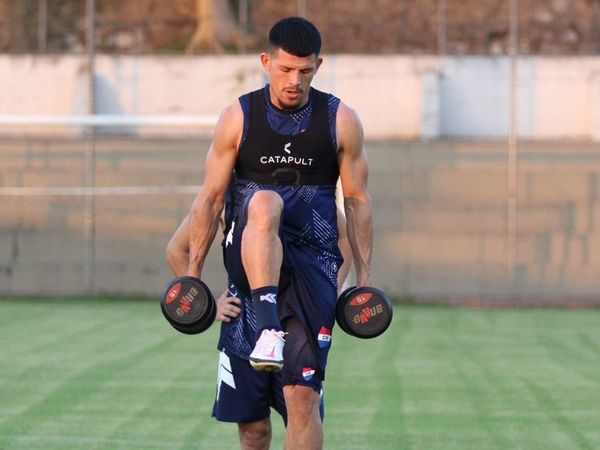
309,219
270,154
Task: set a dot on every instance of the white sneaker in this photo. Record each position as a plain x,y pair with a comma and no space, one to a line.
267,355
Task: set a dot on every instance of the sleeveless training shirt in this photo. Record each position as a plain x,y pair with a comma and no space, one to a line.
310,221
308,158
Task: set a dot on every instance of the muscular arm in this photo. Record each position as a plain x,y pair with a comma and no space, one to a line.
354,172
208,204
178,254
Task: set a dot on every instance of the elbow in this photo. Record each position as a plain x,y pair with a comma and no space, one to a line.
205,201
170,251
357,199
177,253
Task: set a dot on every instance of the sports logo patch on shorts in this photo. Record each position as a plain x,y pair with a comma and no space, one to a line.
324,337
307,373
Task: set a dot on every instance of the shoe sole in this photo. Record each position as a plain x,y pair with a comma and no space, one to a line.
266,366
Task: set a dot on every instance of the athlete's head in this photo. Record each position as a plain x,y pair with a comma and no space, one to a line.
295,35
292,61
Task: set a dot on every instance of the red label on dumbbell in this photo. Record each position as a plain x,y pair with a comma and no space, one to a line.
173,293
360,299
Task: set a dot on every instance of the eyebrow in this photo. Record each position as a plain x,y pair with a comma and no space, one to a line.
301,67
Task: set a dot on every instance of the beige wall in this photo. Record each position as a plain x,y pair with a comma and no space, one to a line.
439,212
397,96
387,92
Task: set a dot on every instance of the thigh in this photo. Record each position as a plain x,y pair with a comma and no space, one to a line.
232,243
301,359
232,248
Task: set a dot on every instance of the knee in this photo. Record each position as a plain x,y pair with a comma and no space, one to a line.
302,404
255,435
265,208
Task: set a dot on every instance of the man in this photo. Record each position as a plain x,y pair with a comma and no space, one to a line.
281,247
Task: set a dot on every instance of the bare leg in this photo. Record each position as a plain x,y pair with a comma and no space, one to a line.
262,253
304,429
255,435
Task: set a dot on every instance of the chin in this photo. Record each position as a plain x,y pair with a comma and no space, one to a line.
290,105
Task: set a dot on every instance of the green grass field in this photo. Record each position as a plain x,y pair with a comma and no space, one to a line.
112,374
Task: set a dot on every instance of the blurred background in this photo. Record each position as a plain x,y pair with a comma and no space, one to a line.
482,125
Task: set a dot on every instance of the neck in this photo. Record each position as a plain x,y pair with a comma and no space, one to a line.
275,102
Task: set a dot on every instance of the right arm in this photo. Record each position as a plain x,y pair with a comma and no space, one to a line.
208,204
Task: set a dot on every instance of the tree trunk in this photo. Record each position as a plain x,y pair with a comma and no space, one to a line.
18,25
216,29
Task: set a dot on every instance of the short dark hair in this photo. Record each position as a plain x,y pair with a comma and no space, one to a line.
296,36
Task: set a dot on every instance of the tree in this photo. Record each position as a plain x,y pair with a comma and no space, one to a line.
216,29
20,28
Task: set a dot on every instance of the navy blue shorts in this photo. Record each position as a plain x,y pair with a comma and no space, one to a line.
307,293
246,395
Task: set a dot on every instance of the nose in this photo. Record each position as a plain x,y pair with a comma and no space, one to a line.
294,78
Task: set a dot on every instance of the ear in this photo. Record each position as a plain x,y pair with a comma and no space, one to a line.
265,59
319,62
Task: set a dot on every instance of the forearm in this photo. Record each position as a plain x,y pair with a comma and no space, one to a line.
204,223
360,235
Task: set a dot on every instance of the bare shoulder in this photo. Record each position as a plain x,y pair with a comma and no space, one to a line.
232,112
348,127
230,123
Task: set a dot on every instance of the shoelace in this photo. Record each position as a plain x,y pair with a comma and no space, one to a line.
265,344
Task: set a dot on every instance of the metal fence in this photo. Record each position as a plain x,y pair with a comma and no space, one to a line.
362,26
440,217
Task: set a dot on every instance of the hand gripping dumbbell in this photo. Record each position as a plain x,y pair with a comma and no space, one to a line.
364,312
188,305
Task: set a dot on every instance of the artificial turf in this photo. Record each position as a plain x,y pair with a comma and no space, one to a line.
112,374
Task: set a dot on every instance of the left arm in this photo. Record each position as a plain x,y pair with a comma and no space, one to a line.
354,172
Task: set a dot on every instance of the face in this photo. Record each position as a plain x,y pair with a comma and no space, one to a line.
289,77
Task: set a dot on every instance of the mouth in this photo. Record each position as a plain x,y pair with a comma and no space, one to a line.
292,93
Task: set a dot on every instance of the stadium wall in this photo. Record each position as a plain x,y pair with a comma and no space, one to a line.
440,217
406,97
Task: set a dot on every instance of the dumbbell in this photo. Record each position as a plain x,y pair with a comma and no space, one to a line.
188,305
364,312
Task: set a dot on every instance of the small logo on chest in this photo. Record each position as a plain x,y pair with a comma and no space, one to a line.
286,160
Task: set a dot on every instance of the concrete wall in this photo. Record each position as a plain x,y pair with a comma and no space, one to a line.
440,218
397,96
557,97
204,85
